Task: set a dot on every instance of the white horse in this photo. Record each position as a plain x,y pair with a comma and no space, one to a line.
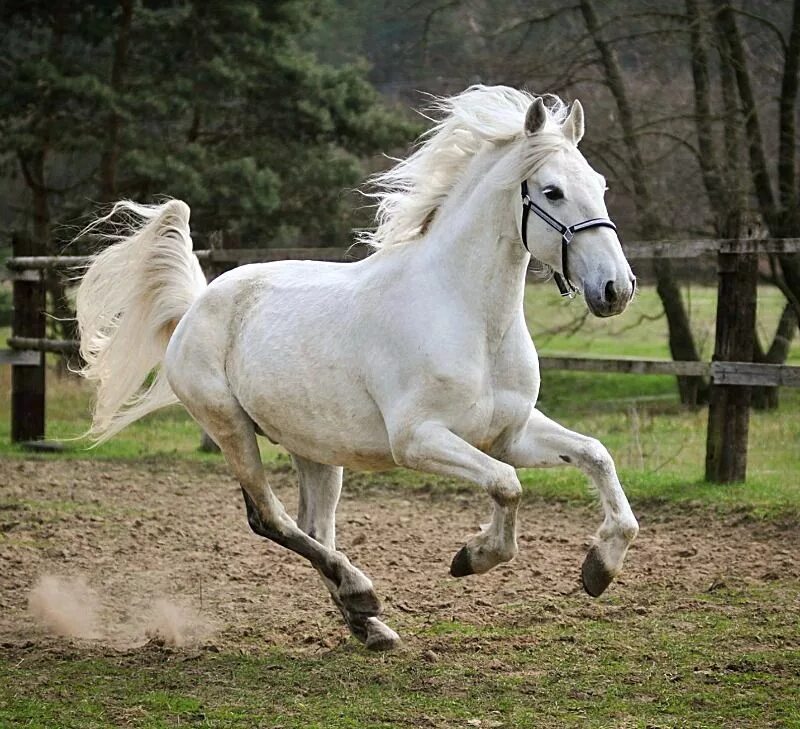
417,356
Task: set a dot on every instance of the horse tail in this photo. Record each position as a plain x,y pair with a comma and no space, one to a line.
129,301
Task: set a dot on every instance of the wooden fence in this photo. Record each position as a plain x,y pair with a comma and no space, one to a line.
732,372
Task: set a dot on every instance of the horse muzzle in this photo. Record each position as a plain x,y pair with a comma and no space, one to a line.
609,298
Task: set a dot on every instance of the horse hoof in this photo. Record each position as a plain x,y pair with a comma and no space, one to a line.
380,637
595,574
461,566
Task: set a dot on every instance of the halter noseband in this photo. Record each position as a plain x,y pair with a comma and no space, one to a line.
565,286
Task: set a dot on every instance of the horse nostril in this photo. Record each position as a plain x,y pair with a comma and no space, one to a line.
633,285
610,292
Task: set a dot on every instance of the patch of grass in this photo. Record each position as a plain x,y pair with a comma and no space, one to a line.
642,330
168,433
727,658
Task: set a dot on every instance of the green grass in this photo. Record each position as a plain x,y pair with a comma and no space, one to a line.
723,660
642,330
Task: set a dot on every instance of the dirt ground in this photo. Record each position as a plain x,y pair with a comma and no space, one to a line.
175,536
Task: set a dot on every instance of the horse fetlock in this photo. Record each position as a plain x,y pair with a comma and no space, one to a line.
260,518
357,593
629,529
623,530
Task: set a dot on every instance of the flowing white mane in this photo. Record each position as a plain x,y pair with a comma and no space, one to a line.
409,194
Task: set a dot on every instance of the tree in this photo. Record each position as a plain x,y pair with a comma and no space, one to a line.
219,103
726,182
216,103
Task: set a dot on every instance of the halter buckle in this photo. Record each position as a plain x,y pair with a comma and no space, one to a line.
567,236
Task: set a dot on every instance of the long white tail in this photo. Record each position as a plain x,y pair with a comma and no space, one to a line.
129,302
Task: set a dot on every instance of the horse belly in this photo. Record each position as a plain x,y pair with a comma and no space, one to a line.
302,388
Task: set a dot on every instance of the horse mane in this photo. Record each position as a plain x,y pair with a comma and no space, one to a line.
409,194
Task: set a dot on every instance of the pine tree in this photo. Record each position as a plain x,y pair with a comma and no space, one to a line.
221,104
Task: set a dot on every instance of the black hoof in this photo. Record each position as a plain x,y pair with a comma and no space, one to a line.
594,574
461,566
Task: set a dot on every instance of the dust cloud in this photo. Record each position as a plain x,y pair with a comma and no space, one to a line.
67,606
176,624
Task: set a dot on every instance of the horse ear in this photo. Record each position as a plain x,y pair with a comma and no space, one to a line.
574,126
536,116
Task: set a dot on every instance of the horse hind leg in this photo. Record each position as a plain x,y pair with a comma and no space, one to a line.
216,409
320,487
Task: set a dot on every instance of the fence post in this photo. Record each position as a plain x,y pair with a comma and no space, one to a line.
28,382
729,405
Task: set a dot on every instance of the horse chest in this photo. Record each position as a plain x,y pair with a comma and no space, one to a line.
503,402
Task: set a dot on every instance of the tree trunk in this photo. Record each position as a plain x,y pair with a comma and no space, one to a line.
787,109
726,22
729,405
707,157
781,217
767,398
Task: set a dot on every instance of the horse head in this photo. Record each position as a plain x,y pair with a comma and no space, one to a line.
570,230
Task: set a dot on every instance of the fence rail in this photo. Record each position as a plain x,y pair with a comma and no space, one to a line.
28,343
640,250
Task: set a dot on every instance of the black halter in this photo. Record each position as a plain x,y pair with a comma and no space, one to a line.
565,286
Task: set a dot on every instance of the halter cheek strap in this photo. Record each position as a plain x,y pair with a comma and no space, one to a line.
565,286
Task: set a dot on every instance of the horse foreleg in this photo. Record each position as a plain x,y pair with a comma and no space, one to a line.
432,448
544,443
320,487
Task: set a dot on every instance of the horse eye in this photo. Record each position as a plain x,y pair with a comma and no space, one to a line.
553,193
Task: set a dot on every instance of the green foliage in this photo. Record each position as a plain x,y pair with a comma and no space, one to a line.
216,103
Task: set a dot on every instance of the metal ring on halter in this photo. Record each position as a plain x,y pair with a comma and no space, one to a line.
565,286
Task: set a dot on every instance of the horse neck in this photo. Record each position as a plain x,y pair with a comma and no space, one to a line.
475,247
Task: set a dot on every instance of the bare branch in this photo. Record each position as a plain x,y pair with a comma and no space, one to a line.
758,163
766,23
